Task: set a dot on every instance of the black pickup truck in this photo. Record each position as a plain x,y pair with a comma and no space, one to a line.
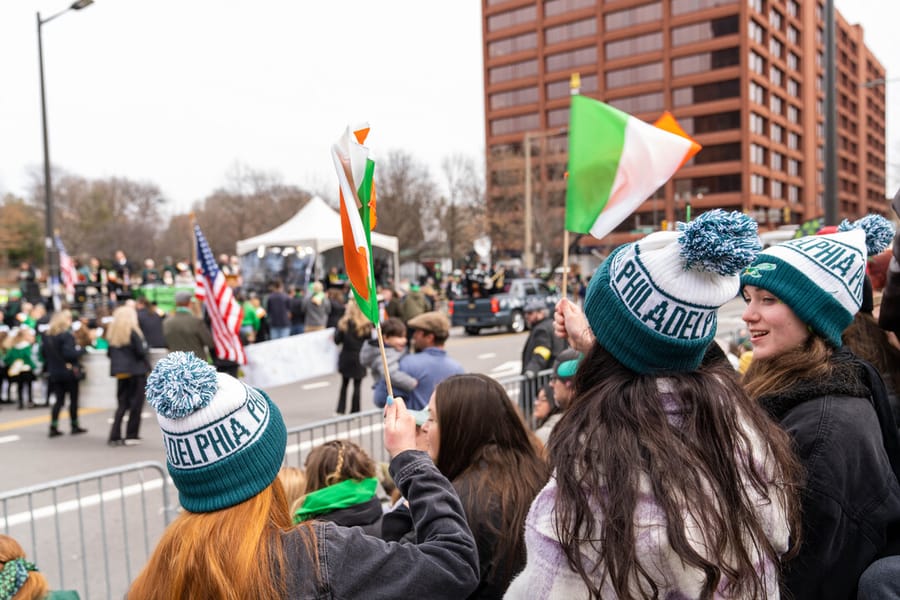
505,308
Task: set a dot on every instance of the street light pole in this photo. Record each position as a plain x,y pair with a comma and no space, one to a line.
52,257
830,199
528,251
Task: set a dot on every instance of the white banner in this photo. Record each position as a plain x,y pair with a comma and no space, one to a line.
291,359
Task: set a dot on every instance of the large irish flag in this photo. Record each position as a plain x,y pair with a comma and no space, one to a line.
357,191
616,162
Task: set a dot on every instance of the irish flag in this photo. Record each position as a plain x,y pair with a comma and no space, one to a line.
616,162
357,191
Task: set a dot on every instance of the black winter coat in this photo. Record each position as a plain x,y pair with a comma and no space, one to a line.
348,359
58,351
130,359
846,440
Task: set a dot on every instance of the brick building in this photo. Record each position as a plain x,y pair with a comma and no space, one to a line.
743,77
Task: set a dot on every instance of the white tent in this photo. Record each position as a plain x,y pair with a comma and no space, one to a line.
317,226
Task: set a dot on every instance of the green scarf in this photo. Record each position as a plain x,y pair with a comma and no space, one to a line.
334,497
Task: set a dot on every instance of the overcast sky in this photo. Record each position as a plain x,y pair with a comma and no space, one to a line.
176,92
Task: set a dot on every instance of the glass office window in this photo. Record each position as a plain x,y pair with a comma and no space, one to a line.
517,97
571,59
526,14
705,61
526,68
558,7
634,75
639,103
633,16
511,45
705,30
570,31
706,92
641,44
515,124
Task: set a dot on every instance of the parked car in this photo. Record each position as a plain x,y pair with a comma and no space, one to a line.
505,308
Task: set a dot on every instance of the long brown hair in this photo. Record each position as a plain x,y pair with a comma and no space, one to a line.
617,430
770,376
869,341
482,434
231,554
336,461
353,317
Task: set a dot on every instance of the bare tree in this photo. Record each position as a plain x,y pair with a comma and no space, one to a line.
406,194
461,214
21,234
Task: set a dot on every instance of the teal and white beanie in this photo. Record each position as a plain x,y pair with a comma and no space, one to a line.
652,304
225,441
821,277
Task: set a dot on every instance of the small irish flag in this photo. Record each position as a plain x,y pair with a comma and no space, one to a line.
616,162
357,192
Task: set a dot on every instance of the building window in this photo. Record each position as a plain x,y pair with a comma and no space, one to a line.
571,59
718,153
776,48
527,68
570,31
649,42
793,61
633,16
561,89
777,160
757,124
757,93
515,124
793,113
793,167
511,45
716,184
777,188
757,63
775,19
557,117
757,185
705,30
706,61
793,194
792,8
777,133
518,97
680,7
558,7
793,140
793,88
776,75
756,31
776,104
706,92
756,5
639,104
526,14
634,75
715,122
757,154
793,36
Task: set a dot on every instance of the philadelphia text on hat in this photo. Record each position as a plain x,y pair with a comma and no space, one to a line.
220,439
634,286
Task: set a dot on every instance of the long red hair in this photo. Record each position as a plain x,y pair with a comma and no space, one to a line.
230,554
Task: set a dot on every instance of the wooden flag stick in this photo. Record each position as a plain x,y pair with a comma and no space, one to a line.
384,363
565,264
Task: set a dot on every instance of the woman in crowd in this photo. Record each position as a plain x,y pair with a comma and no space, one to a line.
668,481
19,578
340,487
317,307
61,355
546,413
351,333
800,296
235,538
21,367
129,364
479,441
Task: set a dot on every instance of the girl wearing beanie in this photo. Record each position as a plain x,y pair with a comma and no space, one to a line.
225,443
800,296
668,481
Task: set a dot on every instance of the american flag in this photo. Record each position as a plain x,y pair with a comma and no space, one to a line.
224,312
66,268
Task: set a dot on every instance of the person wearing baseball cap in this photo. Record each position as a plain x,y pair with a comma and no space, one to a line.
224,444
668,480
430,364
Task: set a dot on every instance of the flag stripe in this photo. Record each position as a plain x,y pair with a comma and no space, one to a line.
223,310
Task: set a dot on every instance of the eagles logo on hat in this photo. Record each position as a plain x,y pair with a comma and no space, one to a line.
652,304
224,441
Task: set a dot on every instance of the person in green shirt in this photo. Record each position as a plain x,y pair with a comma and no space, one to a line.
250,323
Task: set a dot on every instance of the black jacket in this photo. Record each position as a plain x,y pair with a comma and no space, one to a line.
851,499
542,347
152,327
130,359
366,514
59,351
348,359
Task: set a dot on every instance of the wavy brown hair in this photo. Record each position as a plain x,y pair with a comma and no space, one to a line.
353,317
230,554
772,376
869,341
617,429
334,462
483,435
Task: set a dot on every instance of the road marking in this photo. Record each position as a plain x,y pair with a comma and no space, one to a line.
45,419
144,415
9,438
510,367
486,356
315,385
349,434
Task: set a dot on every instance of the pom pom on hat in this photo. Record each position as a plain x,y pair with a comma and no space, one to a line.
652,304
180,384
879,232
719,242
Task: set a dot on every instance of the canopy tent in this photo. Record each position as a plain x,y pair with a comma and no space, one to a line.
316,226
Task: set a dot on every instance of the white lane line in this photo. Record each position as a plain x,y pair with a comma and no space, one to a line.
9,438
510,367
315,385
487,355
48,511
144,415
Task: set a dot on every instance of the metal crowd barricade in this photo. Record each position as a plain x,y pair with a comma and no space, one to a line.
94,532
